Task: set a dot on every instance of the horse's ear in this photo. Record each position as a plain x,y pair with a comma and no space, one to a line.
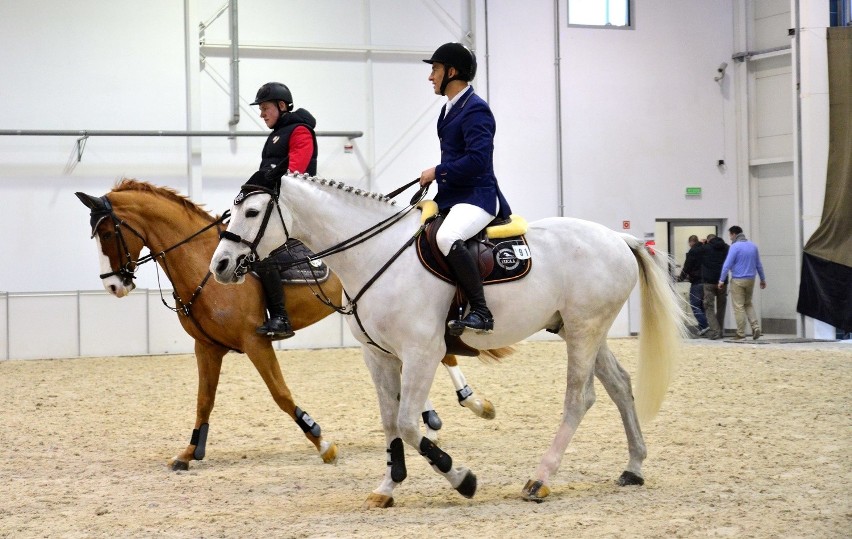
90,202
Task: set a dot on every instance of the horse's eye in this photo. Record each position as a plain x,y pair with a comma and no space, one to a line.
106,236
252,213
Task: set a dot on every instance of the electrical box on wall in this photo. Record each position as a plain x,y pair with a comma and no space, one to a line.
693,192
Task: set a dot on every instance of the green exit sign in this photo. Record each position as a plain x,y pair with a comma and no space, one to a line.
693,191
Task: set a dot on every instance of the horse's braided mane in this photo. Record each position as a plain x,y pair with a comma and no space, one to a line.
345,188
132,184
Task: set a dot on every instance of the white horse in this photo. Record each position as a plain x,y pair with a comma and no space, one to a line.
582,274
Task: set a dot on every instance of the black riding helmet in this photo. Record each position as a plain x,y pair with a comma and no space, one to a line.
458,56
274,91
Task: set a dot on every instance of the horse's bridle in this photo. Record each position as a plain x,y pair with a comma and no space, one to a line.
126,270
245,263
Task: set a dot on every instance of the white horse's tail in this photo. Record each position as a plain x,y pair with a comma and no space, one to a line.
662,330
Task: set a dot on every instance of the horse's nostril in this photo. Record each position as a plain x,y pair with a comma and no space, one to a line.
220,267
112,288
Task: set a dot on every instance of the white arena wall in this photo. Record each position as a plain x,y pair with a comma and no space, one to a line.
606,125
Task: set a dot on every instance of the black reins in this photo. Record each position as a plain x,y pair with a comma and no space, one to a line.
244,264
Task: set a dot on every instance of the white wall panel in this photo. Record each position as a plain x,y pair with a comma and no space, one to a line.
110,326
644,119
523,100
4,333
771,21
166,334
773,117
775,226
43,326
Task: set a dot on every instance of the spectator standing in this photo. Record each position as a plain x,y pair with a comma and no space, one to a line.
692,272
715,298
743,263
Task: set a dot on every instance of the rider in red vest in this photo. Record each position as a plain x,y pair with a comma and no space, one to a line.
292,146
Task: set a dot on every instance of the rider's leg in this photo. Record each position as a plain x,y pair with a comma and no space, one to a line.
278,326
463,222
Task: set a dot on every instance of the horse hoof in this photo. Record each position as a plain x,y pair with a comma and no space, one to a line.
431,419
178,465
377,501
535,491
467,487
488,411
630,478
328,452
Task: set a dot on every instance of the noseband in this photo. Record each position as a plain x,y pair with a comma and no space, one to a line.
245,263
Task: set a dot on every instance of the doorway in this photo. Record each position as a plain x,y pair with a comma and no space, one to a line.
672,236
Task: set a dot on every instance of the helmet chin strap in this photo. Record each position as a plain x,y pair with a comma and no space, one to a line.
448,80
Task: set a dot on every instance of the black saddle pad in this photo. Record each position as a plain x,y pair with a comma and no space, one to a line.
294,250
500,260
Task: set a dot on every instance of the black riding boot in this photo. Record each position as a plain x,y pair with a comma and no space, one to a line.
278,326
466,272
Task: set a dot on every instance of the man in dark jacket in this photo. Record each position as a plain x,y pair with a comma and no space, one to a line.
715,298
292,146
692,272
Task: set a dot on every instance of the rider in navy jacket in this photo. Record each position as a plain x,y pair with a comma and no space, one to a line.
468,194
466,172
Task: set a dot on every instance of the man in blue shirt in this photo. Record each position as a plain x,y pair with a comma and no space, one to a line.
743,262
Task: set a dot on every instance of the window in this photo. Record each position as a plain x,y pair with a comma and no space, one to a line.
601,13
840,12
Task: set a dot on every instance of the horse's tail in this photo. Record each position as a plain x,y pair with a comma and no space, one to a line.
494,355
662,329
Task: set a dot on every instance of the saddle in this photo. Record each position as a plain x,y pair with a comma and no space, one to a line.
293,251
501,251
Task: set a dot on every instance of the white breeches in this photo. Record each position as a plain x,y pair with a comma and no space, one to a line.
462,223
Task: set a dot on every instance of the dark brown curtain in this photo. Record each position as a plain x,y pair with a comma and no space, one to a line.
825,292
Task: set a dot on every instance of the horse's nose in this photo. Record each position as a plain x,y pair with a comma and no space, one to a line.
222,265
113,288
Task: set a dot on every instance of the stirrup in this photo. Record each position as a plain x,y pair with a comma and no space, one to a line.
276,328
480,324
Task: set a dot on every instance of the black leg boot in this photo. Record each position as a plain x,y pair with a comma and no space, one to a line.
278,326
466,271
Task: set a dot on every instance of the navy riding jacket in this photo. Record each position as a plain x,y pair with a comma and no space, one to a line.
466,172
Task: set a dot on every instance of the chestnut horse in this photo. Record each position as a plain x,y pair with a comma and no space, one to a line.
181,237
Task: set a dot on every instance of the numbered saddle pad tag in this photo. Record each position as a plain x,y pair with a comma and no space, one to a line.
522,252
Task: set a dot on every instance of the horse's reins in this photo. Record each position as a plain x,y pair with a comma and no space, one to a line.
357,239
127,270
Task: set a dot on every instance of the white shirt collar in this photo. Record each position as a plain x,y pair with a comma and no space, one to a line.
455,100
